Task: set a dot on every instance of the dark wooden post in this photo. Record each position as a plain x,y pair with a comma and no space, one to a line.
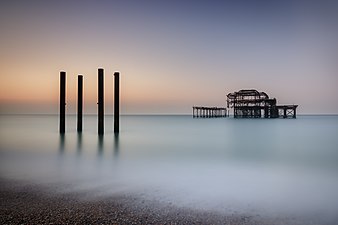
100,102
79,102
62,102
116,102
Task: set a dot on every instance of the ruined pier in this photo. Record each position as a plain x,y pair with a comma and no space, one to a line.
254,104
208,112
100,102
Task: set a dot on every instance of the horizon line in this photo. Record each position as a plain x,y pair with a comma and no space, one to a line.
145,114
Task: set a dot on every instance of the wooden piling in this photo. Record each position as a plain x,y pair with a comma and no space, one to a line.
79,102
100,101
62,102
116,102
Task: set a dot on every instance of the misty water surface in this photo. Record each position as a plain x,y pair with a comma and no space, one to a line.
224,164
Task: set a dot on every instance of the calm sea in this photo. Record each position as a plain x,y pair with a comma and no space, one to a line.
266,165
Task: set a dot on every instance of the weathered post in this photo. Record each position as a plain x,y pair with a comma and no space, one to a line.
100,102
116,102
62,102
79,102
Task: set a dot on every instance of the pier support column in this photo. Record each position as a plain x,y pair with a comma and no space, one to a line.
100,102
266,112
62,128
79,102
116,102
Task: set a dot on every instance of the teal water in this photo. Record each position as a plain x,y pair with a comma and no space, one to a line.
225,164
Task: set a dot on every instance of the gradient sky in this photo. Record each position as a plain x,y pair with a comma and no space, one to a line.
171,54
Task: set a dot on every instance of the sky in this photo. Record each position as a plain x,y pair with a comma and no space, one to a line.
171,54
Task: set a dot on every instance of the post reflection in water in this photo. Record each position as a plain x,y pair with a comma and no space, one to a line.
116,145
100,145
79,147
79,144
62,143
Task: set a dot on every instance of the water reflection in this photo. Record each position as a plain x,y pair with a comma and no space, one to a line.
111,142
116,145
100,145
62,144
79,144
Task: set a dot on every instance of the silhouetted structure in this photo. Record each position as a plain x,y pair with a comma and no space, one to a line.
252,104
100,102
208,112
116,102
79,102
62,102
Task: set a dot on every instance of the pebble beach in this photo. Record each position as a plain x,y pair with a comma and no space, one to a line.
23,203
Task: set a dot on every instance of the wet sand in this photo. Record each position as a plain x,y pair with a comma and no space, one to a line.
22,203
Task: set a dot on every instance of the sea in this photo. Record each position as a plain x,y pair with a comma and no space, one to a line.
263,166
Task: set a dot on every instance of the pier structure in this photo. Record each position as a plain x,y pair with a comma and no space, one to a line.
79,102
100,101
62,128
254,104
287,111
116,102
208,112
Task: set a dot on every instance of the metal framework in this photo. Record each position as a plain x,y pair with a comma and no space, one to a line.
253,104
208,112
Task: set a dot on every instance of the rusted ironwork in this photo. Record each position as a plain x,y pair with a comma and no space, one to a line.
254,104
208,112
